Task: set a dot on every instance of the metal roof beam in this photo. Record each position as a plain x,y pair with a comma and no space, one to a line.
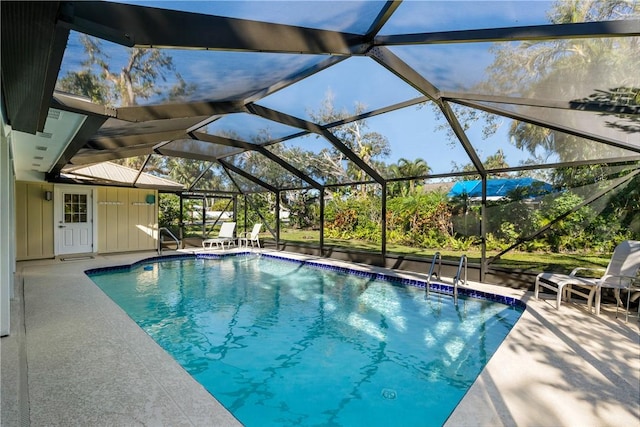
246,175
376,112
620,28
462,136
199,177
219,140
107,142
549,125
89,127
387,11
144,165
286,165
397,66
96,115
229,142
296,122
80,105
608,161
579,105
164,151
361,116
114,128
120,23
177,111
233,181
258,148
168,148
96,156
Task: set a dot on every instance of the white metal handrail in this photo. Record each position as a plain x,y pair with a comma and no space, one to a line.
456,279
437,257
160,240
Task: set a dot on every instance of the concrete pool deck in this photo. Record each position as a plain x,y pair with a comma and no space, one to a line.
75,358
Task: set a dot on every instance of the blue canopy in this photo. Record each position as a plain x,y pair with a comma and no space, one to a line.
502,187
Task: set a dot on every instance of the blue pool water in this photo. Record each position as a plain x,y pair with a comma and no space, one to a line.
280,343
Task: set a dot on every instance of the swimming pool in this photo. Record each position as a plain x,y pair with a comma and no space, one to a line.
279,342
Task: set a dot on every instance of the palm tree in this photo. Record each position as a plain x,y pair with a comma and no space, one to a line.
412,169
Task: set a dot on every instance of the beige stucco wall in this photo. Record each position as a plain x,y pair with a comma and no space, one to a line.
124,220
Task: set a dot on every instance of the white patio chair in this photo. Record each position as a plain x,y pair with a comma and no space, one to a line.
252,236
621,273
224,236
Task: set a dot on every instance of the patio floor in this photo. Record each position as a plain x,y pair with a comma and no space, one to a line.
75,358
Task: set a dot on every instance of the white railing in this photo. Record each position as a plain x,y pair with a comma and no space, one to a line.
161,240
456,280
437,257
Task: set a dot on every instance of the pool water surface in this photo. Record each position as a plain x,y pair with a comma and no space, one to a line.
282,343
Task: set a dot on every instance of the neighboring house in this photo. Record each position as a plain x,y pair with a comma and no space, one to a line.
216,216
441,187
70,219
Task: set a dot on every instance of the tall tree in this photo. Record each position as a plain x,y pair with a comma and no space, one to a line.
494,161
562,68
369,146
138,78
412,168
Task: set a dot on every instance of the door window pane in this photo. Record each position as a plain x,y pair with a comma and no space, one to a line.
75,208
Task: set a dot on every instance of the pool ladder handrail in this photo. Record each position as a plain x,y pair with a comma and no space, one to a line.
437,257
160,240
456,279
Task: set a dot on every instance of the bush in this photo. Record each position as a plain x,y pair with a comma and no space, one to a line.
169,211
422,220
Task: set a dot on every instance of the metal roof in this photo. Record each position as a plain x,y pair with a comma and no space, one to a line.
111,173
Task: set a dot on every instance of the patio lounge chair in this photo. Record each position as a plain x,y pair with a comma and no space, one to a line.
224,236
252,236
621,273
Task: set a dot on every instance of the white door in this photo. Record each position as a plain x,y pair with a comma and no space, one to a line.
74,220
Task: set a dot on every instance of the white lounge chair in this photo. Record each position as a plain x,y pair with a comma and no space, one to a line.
224,236
252,236
621,273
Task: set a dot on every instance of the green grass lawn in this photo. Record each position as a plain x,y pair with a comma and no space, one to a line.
525,261
532,262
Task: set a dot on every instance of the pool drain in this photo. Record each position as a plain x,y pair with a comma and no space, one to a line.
389,394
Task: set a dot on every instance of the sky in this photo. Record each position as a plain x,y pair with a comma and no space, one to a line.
412,132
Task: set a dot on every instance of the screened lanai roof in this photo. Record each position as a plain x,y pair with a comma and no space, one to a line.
272,95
